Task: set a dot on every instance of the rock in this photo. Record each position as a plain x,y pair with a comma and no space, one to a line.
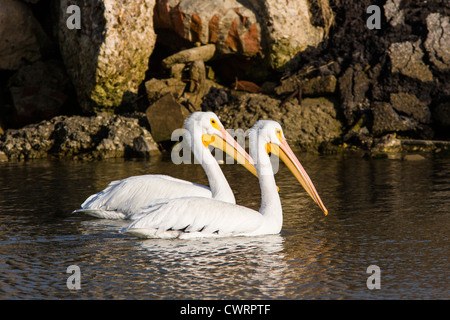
413,157
230,25
282,22
316,86
414,145
441,116
77,137
307,125
30,142
394,15
188,89
217,97
157,88
39,91
406,58
203,53
409,105
176,71
387,143
197,86
386,120
268,28
21,36
3,157
49,74
108,59
320,85
438,40
144,146
164,116
33,104
359,137
353,86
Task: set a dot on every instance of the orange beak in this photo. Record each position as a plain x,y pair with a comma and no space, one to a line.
294,165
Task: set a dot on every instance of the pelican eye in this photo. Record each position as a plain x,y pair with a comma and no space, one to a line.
278,133
215,124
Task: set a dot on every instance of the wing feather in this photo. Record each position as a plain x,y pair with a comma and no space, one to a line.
130,195
202,215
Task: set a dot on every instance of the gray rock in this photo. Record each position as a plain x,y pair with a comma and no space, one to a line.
393,14
21,36
413,157
49,74
353,86
157,88
203,53
441,114
3,157
164,116
359,137
386,120
316,86
406,58
321,85
268,28
33,104
77,137
387,143
107,59
281,24
438,40
197,85
409,105
39,91
306,126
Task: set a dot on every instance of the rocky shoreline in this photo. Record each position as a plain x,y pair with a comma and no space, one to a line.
81,137
119,85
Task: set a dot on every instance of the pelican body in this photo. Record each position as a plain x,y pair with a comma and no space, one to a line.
201,217
124,199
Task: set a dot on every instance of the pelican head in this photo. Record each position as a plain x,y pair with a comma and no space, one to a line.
270,134
207,127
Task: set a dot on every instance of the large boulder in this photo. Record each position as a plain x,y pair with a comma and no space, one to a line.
230,25
407,59
353,87
438,40
386,120
165,116
287,27
409,105
108,57
40,91
21,36
275,29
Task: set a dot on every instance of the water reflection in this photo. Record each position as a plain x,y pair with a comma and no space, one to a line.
390,213
219,268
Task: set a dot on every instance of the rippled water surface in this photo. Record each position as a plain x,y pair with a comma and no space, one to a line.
390,213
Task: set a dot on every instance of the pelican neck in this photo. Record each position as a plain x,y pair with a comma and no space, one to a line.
270,200
220,189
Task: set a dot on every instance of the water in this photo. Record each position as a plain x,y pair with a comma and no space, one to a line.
390,213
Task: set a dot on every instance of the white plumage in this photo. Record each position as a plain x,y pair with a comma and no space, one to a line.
201,217
124,199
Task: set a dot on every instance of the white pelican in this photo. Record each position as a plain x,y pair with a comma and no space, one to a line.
201,217
124,199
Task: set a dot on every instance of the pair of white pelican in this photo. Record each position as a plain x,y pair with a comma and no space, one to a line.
165,207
